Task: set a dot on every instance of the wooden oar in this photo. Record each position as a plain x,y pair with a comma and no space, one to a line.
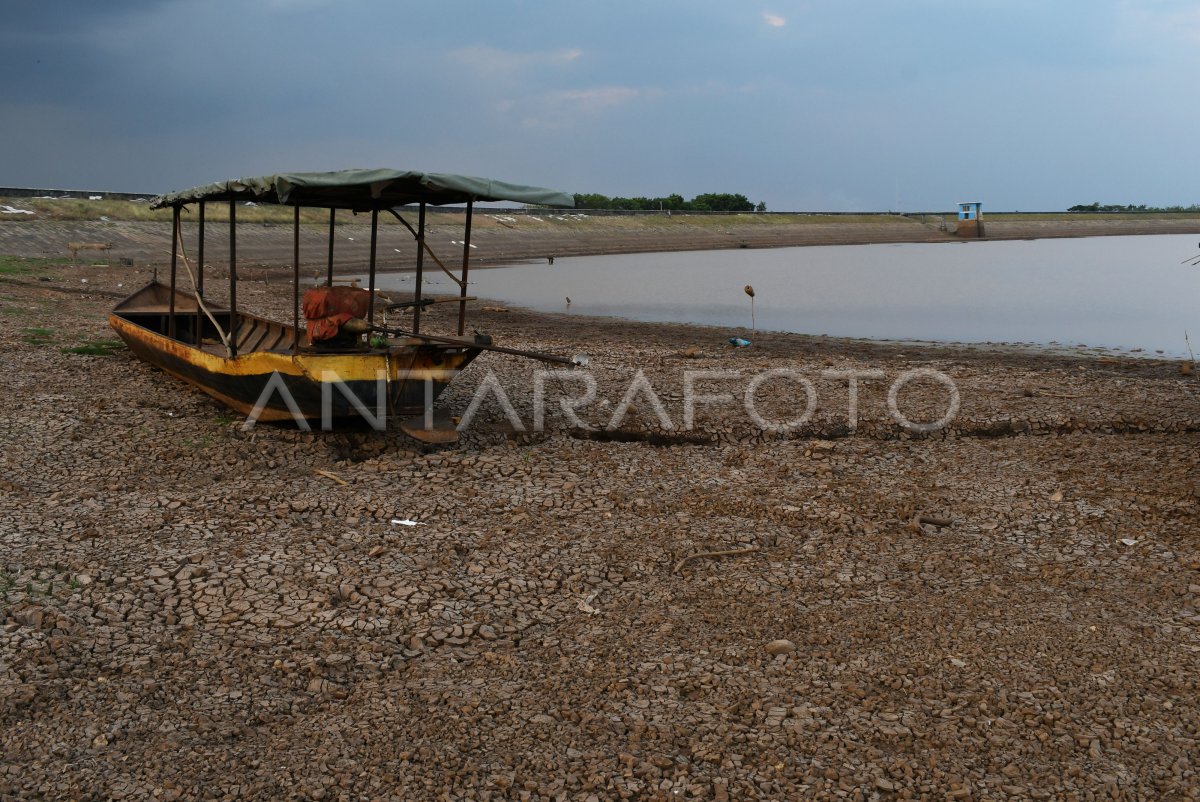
424,302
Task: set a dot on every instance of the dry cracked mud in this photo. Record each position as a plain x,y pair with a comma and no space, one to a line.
1008,608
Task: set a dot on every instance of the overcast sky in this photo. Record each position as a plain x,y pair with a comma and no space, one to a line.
803,104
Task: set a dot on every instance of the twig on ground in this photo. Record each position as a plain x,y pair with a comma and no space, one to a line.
700,555
1051,394
333,476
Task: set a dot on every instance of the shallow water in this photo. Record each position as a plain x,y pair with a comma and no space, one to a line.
1121,293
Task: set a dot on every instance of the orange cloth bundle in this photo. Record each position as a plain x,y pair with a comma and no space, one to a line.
327,308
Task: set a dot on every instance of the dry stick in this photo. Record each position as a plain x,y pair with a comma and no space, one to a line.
731,552
1189,345
195,292
333,476
1050,394
934,521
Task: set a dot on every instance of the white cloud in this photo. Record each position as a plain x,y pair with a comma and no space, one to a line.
591,100
562,108
1162,20
774,20
493,62
290,5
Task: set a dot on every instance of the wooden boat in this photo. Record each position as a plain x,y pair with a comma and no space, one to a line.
266,348
273,371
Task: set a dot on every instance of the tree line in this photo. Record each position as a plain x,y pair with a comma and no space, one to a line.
709,202
1129,207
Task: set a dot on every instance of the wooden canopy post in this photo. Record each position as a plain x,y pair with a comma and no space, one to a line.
332,219
420,269
296,280
174,267
200,253
462,293
200,275
371,277
233,337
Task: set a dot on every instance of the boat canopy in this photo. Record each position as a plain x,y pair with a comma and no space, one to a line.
364,189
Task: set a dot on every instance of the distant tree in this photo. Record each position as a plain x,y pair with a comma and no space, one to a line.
674,202
624,204
711,202
723,202
592,200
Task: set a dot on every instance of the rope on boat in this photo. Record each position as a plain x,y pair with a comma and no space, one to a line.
428,250
199,302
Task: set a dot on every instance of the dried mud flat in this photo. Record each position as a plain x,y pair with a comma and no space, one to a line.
189,610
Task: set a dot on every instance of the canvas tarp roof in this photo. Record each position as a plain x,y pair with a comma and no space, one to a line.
365,189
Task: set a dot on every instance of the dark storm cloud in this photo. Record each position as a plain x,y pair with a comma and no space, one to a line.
866,104
61,18
55,52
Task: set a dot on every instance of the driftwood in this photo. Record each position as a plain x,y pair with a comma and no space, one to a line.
701,555
76,247
333,476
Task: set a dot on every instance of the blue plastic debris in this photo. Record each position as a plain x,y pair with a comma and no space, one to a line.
738,342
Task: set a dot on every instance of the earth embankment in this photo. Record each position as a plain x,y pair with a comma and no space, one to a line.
505,237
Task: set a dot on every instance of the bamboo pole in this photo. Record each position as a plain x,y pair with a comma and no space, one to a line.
462,288
296,280
420,269
174,268
371,275
232,277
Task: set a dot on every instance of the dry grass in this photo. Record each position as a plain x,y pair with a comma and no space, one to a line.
218,213
73,209
122,210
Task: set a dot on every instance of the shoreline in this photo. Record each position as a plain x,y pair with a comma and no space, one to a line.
716,333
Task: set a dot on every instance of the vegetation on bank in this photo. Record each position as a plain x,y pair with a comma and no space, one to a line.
217,214
112,210
25,265
117,209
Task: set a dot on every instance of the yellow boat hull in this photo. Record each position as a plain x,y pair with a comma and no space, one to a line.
277,384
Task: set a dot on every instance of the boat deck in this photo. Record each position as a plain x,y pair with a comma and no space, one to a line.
150,309
252,333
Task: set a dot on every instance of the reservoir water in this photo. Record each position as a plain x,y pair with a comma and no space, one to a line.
1120,293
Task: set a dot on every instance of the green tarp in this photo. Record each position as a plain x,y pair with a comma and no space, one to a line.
365,189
